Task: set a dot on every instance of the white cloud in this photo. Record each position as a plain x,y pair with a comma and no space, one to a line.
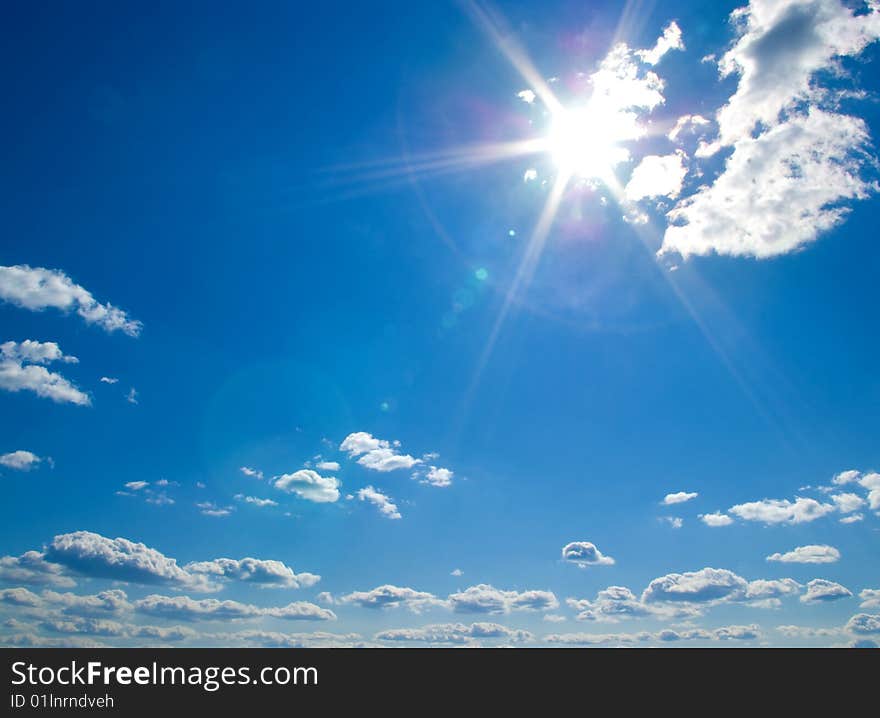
530,175
679,497
32,568
389,596
106,603
360,442
184,608
257,571
376,454
847,503
657,176
309,485
454,633
327,466
255,501
435,476
456,572
248,471
724,633
687,123
705,585
209,508
95,556
782,511
766,593
484,598
813,553
870,598
669,40
675,522
794,161
36,288
716,520
108,380
616,603
853,518
820,590
132,396
21,370
20,460
526,96
846,477
585,553
782,45
864,623
554,618
384,503
871,482
808,632
136,485
777,192
19,597
387,460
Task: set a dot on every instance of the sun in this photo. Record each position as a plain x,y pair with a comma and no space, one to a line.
585,141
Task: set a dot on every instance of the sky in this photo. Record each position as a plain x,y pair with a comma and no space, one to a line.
445,324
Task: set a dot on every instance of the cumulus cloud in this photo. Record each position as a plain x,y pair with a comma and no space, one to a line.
657,176
846,477
248,471
20,460
101,605
716,520
679,497
616,603
864,624
454,633
257,571
21,369
90,554
256,501
435,476
484,598
275,639
670,40
764,593
820,590
871,482
781,47
778,191
782,511
327,466
376,454
309,485
847,503
19,597
209,508
795,162
32,568
585,553
725,633
36,288
385,505
184,608
813,553
389,596
870,598
705,585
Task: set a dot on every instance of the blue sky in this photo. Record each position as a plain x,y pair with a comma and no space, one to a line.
534,323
